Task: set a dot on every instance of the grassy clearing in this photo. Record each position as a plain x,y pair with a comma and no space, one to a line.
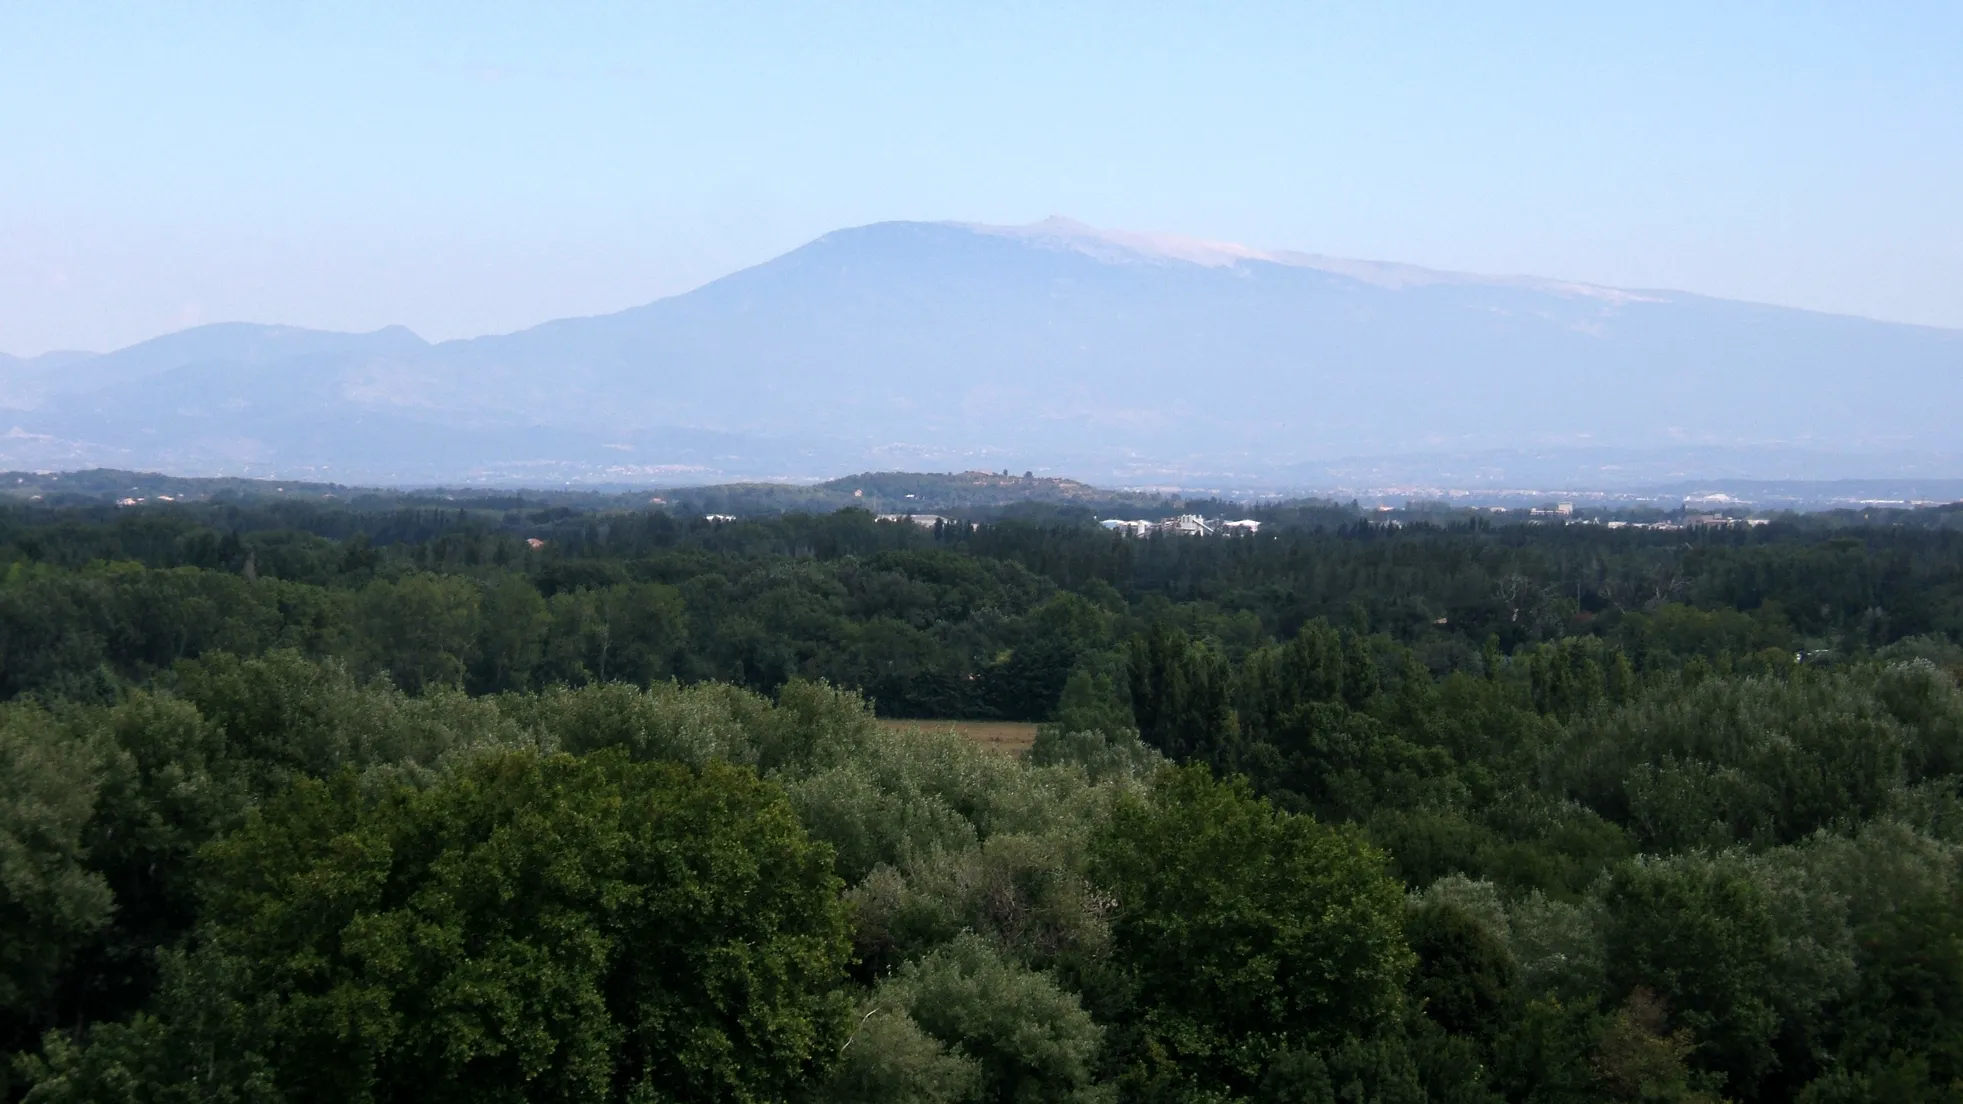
1005,736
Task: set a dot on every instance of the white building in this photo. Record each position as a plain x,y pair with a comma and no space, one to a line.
1187,525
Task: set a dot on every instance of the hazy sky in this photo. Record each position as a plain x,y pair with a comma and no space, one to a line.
476,168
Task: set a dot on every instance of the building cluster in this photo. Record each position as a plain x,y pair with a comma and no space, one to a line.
1185,525
1695,521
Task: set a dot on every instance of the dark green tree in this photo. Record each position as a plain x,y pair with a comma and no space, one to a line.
1244,934
1181,696
51,903
535,928
1700,937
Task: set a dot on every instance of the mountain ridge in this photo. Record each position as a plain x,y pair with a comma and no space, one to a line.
1053,346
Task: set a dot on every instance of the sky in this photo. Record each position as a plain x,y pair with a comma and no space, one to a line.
468,169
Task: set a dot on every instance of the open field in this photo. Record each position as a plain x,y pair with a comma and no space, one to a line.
1008,736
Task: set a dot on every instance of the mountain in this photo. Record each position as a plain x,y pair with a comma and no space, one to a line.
1113,355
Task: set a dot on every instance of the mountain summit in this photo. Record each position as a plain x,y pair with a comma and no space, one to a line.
1054,345
1126,245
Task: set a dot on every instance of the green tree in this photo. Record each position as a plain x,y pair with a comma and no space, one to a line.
280,715
51,902
511,639
172,786
1180,696
1898,1034
205,1040
534,928
890,1060
1465,973
420,628
1701,937
628,632
1244,934
1638,1058
1094,697
1031,1040
1748,760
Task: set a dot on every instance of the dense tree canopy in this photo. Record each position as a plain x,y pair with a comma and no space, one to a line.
307,802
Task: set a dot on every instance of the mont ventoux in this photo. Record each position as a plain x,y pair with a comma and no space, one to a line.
1054,346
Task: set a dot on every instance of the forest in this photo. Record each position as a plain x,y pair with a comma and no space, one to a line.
516,801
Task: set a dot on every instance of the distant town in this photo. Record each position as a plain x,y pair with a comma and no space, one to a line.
1185,525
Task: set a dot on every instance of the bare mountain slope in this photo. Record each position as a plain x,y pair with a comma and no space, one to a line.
1047,346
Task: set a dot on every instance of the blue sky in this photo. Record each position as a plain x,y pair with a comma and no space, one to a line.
479,168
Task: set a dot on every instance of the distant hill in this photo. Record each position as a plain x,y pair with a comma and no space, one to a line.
108,486
979,494
1126,358
972,493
